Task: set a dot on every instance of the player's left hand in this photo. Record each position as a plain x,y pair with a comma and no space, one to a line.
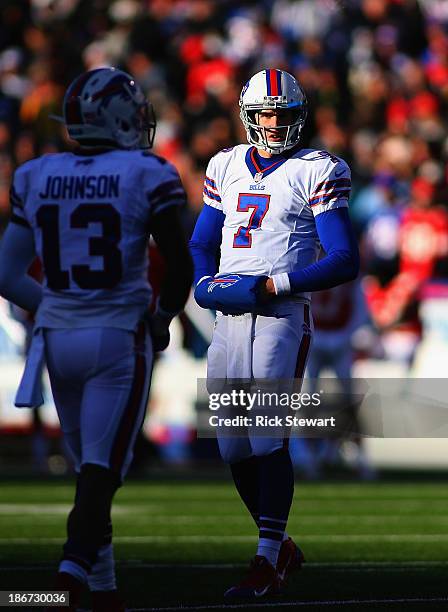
159,330
230,293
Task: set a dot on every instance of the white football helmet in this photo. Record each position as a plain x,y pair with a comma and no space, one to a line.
106,107
269,90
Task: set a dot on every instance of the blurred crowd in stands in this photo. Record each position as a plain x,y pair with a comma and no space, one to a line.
375,73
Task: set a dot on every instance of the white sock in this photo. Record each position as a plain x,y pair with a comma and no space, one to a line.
285,536
269,549
70,567
102,576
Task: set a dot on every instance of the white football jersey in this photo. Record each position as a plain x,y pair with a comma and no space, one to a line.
91,219
269,223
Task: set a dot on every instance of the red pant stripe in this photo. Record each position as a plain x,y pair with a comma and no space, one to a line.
129,419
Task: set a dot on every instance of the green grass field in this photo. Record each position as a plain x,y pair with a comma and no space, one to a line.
372,546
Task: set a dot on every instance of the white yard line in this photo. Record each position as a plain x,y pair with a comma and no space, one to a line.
168,520
353,566
229,539
49,509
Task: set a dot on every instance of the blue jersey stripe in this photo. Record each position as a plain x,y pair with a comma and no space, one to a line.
324,199
174,194
15,199
342,182
210,182
165,188
19,220
211,195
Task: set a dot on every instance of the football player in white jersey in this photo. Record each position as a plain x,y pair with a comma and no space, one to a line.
88,215
268,208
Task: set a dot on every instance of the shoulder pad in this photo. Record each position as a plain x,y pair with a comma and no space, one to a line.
158,158
318,155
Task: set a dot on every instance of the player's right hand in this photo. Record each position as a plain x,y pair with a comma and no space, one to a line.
266,290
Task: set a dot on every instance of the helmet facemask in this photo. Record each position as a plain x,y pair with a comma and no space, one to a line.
258,135
148,125
132,125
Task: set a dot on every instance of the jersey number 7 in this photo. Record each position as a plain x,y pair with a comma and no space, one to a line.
260,204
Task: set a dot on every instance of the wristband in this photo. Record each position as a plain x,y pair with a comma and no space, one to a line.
282,285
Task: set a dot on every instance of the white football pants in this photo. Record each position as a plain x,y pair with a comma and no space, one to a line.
271,346
100,380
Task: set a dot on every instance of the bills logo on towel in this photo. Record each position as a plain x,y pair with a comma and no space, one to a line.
223,282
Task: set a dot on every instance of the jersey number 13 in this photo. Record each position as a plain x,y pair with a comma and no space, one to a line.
105,246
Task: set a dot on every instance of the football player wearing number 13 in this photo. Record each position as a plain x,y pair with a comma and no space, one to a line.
269,206
88,215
